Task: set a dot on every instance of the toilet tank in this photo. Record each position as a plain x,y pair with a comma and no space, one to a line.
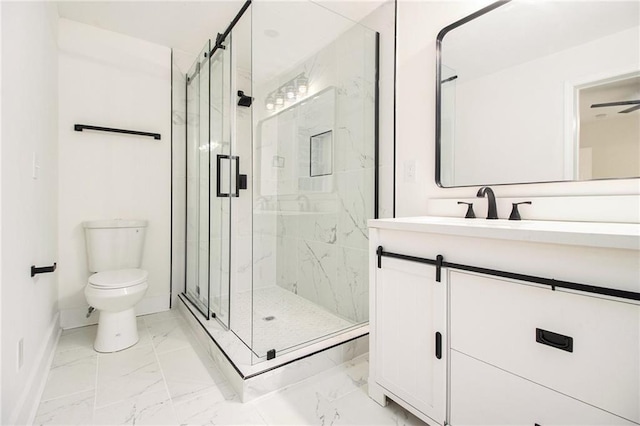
114,244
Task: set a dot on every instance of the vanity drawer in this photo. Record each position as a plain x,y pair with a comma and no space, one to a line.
582,346
485,395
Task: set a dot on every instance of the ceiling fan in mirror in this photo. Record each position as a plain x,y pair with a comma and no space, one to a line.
635,107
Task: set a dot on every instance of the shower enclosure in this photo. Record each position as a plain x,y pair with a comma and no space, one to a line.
281,177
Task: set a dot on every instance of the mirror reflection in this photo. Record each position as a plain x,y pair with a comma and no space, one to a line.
539,92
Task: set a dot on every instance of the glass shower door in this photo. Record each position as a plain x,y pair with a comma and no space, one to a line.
221,192
198,169
314,119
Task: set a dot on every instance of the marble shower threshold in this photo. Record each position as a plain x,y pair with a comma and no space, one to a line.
251,376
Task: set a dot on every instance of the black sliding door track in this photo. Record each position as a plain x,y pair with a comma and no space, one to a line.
440,263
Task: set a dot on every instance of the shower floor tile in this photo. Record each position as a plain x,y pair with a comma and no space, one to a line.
281,319
202,395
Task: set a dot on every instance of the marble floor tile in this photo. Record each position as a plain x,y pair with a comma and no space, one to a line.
214,409
78,339
169,334
168,378
71,372
144,335
127,374
356,408
189,372
297,405
75,409
153,408
343,379
160,316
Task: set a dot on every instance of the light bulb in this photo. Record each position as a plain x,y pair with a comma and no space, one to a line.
279,99
291,94
269,103
303,85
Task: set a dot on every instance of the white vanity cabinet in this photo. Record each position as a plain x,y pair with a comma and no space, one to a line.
409,341
514,351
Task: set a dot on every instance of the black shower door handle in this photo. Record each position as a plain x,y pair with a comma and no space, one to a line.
219,159
240,180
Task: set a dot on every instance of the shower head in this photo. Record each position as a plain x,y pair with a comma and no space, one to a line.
244,100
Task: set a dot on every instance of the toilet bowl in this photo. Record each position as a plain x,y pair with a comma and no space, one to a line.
114,294
114,253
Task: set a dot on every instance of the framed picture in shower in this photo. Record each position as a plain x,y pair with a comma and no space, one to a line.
321,154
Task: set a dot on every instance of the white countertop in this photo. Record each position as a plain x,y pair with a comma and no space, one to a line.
590,234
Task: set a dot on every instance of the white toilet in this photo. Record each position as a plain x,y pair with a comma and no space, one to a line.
114,253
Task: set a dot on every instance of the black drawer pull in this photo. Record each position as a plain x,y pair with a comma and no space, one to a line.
438,345
554,340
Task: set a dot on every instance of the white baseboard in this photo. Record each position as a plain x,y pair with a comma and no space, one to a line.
25,410
77,317
153,304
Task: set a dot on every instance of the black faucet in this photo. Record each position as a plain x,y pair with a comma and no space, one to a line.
493,211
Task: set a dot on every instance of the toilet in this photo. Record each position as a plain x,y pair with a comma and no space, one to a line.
114,253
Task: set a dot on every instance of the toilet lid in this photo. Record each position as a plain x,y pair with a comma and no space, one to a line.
119,278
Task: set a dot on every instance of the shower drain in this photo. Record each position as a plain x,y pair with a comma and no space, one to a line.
269,318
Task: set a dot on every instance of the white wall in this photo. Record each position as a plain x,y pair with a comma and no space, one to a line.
108,79
29,206
418,26
614,144
529,145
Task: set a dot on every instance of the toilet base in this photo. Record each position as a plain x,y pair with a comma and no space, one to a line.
116,331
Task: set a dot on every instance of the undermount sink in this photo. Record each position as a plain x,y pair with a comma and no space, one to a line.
595,234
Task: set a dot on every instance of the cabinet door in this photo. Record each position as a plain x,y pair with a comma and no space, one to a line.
409,311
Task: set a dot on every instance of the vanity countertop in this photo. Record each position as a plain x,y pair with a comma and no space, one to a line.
589,234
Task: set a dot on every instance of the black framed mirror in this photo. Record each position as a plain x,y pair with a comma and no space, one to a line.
545,91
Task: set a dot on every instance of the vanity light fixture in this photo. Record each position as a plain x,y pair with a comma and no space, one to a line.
291,91
302,83
279,98
291,94
270,103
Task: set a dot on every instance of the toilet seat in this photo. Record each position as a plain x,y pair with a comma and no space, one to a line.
119,278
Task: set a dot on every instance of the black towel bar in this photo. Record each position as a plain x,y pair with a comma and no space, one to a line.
81,127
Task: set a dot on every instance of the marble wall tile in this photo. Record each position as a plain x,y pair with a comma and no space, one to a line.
317,272
264,261
287,264
352,284
287,225
355,190
319,227
74,409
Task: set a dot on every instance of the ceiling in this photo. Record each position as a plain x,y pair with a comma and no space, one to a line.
184,26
